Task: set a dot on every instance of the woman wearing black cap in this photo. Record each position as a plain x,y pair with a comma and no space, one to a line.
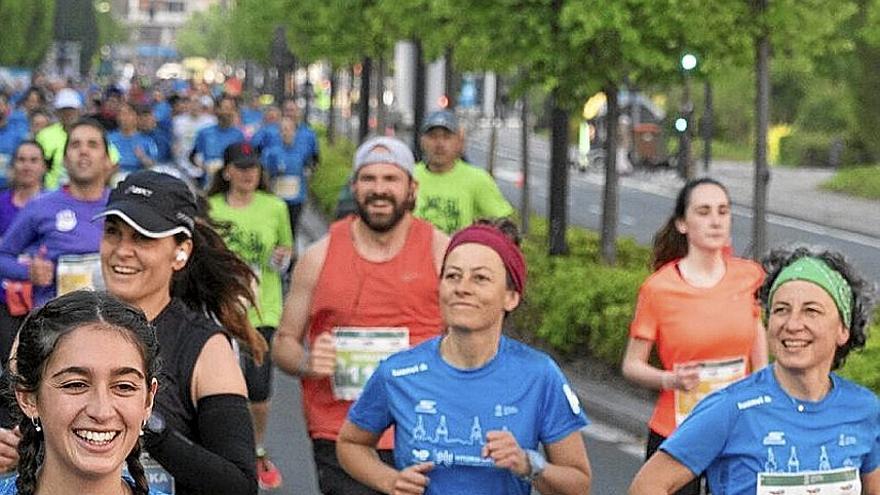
158,255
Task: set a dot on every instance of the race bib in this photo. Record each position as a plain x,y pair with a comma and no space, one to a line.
78,271
158,478
287,187
843,481
358,353
714,375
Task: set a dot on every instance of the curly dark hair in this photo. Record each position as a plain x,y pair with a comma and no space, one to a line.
37,340
863,292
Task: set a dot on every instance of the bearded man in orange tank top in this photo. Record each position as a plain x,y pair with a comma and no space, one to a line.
365,290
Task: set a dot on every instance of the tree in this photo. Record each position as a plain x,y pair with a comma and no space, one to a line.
206,34
25,31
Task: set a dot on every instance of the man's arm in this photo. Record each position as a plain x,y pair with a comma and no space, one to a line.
288,351
438,247
661,475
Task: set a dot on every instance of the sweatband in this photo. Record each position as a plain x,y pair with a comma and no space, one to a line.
491,237
815,270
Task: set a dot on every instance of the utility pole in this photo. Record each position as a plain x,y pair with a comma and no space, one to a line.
762,103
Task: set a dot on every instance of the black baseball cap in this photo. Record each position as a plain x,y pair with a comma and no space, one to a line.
155,204
242,155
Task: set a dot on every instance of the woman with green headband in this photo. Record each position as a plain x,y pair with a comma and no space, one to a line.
794,427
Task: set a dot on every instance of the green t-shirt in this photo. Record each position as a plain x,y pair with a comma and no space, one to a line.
454,199
255,231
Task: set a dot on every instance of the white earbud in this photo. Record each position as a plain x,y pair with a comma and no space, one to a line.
182,256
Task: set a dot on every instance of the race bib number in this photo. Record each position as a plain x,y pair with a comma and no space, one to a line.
158,478
843,481
714,375
78,271
212,166
287,187
358,353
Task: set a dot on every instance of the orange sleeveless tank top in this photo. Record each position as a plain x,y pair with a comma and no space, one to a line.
354,292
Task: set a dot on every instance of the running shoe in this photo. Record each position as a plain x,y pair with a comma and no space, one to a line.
268,476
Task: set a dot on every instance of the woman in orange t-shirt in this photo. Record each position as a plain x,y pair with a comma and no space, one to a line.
698,308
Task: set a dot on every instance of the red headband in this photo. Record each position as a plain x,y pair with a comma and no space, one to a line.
493,238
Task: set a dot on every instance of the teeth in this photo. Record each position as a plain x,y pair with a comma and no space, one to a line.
794,343
124,270
99,437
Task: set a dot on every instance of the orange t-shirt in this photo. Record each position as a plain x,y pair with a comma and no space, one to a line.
688,323
352,291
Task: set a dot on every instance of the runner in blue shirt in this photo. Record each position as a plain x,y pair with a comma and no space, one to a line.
471,408
269,134
11,134
147,126
210,142
136,151
287,164
795,426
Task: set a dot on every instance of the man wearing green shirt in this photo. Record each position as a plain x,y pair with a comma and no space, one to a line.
453,193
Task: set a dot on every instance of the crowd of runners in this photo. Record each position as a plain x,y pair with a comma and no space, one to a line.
151,285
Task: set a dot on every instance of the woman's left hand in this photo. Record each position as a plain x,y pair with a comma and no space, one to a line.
502,447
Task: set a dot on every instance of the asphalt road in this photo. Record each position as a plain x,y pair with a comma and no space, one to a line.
644,207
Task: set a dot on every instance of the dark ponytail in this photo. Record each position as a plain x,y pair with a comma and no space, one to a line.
669,243
136,470
30,457
218,282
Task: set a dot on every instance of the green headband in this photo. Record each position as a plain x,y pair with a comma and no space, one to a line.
815,270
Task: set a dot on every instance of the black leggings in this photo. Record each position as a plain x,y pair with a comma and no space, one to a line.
654,441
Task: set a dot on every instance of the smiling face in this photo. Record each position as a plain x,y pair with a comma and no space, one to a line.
804,327
383,192
92,400
706,221
138,269
473,289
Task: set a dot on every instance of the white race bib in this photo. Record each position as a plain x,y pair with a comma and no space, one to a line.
78,271
714,375
843,481
358,353
287,187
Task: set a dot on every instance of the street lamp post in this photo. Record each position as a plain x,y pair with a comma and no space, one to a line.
686,166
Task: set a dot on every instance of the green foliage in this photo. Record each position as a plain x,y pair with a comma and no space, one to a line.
206,34
810,149
25,31
574,302
332,173
864,366
857,181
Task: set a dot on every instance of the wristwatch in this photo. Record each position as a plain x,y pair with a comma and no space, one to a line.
537,464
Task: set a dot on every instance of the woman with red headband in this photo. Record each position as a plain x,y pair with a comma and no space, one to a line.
471,407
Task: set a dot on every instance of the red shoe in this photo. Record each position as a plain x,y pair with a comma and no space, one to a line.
268,476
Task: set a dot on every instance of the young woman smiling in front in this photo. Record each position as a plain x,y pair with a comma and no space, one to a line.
84,376
698,308
157,255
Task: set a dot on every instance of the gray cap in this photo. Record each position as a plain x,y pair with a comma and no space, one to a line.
383,149
441,118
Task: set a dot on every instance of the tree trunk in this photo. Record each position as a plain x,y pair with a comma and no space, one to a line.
418,100
708,127
762,112
364,122
687,161
558,178
525,206
331,117
451,80
610,195
352,111
381,115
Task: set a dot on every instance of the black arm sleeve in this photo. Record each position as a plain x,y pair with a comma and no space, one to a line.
225,462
